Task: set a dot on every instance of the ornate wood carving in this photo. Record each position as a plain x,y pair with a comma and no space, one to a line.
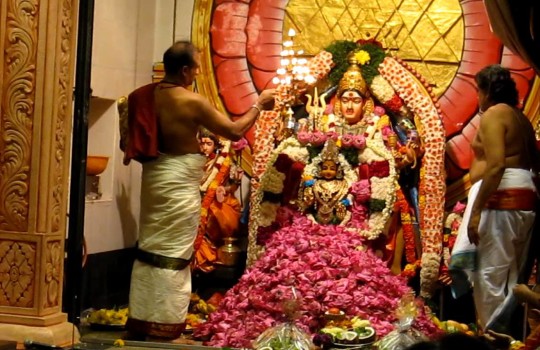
17,268
64,112
53,274
17,109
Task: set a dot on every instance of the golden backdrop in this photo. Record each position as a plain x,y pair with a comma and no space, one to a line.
428,34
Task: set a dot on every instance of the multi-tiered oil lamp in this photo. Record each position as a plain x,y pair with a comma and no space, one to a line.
293,74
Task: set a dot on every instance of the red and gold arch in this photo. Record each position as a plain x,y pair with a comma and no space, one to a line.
241,54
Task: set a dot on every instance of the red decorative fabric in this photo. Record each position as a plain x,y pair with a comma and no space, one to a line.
143,141
379,169
513,199
292,182
154,329
363,172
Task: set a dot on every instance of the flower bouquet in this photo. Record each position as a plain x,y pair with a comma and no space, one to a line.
405,334
285,336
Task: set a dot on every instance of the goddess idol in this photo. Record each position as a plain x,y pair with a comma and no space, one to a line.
320,202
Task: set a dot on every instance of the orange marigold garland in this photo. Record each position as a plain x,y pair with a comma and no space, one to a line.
210,196
407,227
408,236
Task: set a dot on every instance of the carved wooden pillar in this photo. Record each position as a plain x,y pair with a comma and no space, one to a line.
37,54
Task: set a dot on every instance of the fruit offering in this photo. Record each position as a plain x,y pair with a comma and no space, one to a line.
456,327
349,331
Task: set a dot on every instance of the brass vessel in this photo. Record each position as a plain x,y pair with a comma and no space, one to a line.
229,253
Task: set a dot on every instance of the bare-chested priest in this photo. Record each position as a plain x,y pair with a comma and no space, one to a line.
502,201
170,198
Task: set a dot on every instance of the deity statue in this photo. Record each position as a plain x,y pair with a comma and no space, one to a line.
327,192
211,147
354,106
221,210
356,115
349,180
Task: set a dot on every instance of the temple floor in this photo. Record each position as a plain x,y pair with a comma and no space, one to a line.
104,340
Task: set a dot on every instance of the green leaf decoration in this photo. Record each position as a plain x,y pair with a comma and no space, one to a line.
314,151
376,205
351,155
340,51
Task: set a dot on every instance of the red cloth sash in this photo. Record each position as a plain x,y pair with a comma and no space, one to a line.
143,139
513,199
154,329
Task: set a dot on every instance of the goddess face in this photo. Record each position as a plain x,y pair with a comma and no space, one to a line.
328,170
351,106
207,145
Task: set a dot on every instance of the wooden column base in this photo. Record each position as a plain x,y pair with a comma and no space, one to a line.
61,334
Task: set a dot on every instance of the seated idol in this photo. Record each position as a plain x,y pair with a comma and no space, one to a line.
356,115
324,196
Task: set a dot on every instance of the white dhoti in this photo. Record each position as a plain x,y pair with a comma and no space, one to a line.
170,213
502,251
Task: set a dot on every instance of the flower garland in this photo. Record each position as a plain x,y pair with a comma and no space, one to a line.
264,213
320,65
223,163
368,223
408,236
265,129
432,179
382,188
383,91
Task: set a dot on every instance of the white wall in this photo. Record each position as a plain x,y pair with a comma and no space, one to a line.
183,20
164,29
129,37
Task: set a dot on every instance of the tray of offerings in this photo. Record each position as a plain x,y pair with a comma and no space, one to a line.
354,333
363,337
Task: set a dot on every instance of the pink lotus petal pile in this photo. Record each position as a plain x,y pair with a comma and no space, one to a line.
327,268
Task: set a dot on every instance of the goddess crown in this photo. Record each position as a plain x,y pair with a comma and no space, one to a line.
330,152
352,79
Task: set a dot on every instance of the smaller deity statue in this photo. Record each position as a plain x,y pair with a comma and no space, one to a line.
327,193
208,143
408,152
211,147
221,210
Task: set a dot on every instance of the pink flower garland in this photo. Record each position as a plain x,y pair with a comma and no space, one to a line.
432,184
326,269
264,144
